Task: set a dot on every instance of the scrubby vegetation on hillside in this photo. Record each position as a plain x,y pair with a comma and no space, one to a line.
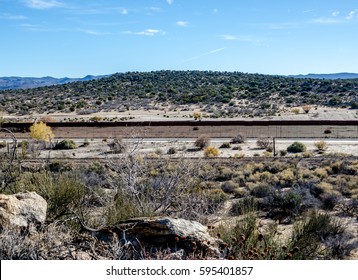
239,92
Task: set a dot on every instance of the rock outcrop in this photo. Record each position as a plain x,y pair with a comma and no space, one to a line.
22,209
177,235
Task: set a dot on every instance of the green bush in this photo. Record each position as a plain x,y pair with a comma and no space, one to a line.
65,145
282,205
225,146
296,147
63,192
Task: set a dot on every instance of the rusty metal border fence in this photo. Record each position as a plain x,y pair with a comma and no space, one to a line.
191,128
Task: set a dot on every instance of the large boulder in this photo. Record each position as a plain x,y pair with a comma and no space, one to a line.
22,209
177,235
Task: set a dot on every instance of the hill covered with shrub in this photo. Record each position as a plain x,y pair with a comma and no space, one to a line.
233,91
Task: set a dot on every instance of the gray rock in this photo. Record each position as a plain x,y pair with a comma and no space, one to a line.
22,209
166,233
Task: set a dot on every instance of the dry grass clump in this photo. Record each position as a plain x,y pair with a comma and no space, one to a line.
264,142
117,146
47,243
239,139
321,145
202,142
211,152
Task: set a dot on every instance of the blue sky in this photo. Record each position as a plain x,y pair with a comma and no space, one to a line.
74,38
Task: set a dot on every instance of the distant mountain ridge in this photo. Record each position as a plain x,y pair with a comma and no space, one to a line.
30,82
333,76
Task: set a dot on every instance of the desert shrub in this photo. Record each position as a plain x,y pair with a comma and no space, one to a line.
321,188
56,166
329,201
320,173
66,144
86,143
283,153
225,146
269,149
47,244
238,139
267,154
41,131
96,119
2,144
117,146
287,177
310,239
64,192
229,186
172,151
197,115
263,142
306,108
260,190
348,207
295,111
124,206
307,154
215,199
224,173
239,155
158,151
309,234
202,142
296,147
354,105
246,242
321,145
211,152
283,205
244,206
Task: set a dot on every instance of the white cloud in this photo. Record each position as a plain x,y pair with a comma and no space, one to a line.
170,2
182,23
326,21
351,14
335,13
12,17
95,33
229,37
124,11
247,38
147,32
43,4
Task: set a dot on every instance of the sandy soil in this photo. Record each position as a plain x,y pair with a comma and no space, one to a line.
185,148
186,112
